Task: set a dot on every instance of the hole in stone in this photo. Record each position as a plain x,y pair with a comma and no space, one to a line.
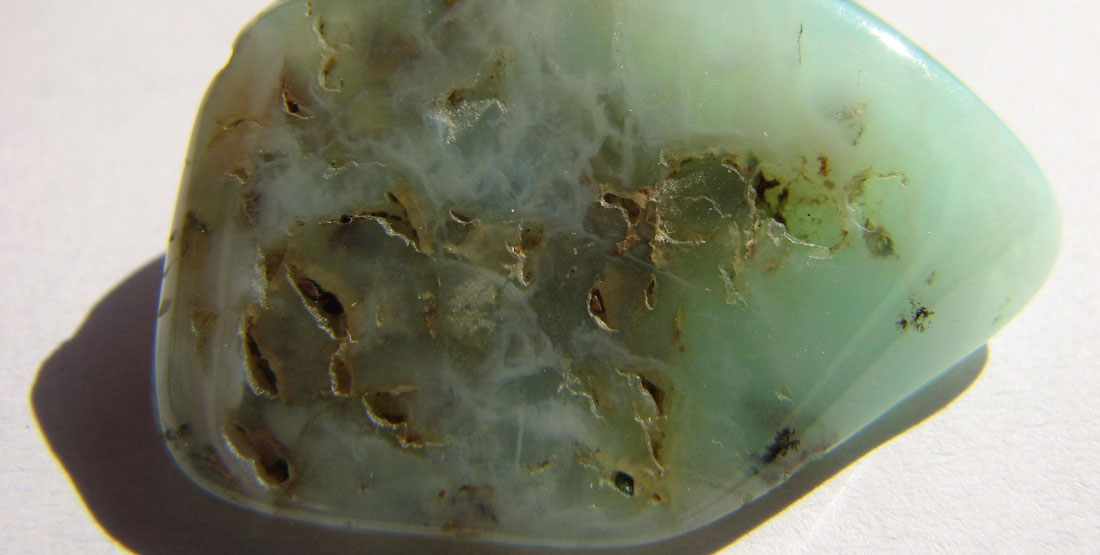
595,303
655,392
278,471
261,375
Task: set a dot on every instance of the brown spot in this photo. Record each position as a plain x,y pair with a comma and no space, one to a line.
271,261
340,372
655,450
455,97
242,173
474,506
325,300
328,65
209,463
259,447
470,490
529,239
202,325
261,375
878,240
431,319
678,329
324,305
389,409
309,289
676,164
250,206
823,166
193,240
639,216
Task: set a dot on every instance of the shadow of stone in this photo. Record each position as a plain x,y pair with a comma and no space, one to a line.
93,400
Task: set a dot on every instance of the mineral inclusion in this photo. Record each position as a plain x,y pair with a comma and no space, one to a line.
573,272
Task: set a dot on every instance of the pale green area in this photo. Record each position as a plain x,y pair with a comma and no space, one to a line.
574,272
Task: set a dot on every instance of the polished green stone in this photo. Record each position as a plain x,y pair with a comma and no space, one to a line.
573,272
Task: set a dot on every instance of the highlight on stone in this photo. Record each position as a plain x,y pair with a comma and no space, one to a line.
573,272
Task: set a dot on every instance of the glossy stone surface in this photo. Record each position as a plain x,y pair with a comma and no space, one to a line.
573,272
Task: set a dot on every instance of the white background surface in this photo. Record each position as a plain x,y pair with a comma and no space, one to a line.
97,104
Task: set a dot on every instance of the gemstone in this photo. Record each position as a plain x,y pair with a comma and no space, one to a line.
573,273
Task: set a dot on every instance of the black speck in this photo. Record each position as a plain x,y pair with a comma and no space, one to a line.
761,184
917,318
193,222
624,482
783,443
920,318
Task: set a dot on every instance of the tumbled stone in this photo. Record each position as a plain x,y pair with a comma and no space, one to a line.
573,272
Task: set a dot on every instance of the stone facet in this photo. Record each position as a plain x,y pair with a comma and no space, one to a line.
573,272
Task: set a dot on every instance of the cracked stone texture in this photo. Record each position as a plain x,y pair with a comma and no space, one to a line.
573,272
